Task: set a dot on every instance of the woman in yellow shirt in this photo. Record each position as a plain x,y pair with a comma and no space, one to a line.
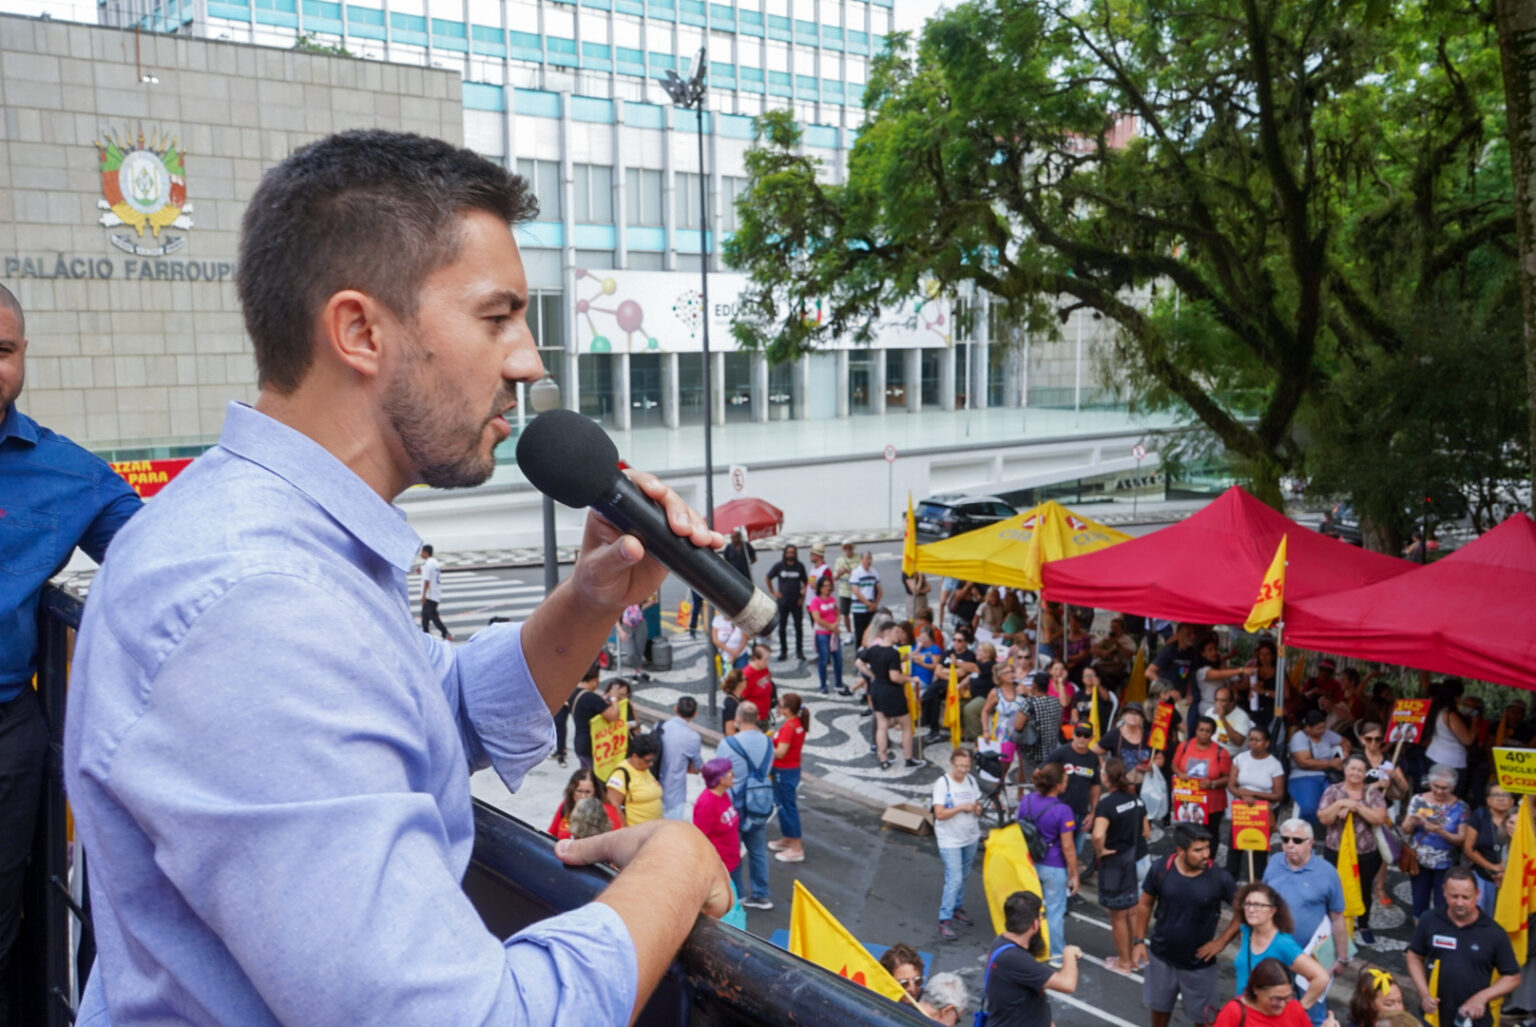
632,787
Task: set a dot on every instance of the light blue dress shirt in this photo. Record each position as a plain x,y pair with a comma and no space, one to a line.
269,764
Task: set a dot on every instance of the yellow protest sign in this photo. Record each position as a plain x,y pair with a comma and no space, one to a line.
610,742
1516,769
1408,716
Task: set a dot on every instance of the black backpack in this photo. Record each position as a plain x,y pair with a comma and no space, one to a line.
1038,847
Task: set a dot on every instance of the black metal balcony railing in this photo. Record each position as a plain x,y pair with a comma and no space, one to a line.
721,976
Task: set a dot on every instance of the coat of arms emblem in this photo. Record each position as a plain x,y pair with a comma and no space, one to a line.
144,185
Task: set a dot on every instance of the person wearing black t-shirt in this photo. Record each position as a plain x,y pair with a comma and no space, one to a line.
1081,765
586,704
1119,835
1014,982
786,581
1175,662
1469,945
1187,892
887,693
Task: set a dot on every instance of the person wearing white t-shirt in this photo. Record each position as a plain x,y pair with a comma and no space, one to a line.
431,593
730,641
957,829
1232,723
1257,776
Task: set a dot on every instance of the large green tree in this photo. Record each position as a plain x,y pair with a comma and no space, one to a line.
1235,240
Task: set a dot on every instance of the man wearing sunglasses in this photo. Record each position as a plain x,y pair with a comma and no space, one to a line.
1310,885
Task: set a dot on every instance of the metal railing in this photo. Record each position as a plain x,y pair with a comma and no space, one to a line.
721,976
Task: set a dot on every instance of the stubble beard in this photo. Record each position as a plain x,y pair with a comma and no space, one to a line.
443,441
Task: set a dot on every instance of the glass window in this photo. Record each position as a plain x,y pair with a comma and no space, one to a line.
685,199
690,388
895,378
596,373
593,194
858,381
731,187
642,187
931,358
645,390
544,176
781,391
738,387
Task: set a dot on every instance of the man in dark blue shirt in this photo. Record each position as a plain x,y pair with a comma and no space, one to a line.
54,496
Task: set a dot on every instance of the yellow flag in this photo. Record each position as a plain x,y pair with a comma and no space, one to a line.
1349,874
1517,895
1136,689
1269,603
1007,868
1093,716
909,541
815,934
1433,1019
952,708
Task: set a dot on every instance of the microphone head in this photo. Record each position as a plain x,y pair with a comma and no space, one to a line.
567,457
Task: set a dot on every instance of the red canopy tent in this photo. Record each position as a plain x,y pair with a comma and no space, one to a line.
1472,614
761,518
1207,568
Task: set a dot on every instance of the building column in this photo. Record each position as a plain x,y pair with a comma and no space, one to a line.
717,388
802,380
914,358
671,397
947,378
759,388
621,407
842,383
980,352
1013,373
877,381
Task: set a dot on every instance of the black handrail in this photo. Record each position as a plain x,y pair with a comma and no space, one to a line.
721,976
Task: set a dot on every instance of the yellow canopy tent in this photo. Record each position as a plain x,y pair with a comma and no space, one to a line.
1011,552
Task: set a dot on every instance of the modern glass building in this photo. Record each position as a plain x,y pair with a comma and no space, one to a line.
567,94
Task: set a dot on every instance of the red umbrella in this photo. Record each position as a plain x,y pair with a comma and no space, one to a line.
759,517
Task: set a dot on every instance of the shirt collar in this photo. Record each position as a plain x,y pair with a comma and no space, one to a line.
17,425
315,471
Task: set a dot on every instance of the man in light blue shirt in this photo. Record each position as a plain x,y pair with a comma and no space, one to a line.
269,764
682,753
1311,887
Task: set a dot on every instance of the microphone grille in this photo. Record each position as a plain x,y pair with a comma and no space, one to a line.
567,457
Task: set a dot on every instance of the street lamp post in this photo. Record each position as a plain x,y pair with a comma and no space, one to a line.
691,94
544,395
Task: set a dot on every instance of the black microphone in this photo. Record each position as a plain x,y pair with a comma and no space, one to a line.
570,459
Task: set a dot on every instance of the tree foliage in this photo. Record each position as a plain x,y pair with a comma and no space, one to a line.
1308,179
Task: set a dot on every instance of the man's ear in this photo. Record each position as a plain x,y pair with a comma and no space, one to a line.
351,324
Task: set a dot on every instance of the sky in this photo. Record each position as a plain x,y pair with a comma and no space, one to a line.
910,14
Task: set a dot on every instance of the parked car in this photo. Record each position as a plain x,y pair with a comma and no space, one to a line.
954,514
1344,524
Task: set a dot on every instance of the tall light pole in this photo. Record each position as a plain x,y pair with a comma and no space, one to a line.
691,94
544,394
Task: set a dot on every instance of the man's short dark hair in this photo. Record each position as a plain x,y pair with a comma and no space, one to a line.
1314,718
884,626
1459,873
426,550
1021,911
9,302
687,706
1185,836
368,210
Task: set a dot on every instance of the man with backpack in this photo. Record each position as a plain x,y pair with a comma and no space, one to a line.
1187,892
957,829
751,755
1015,982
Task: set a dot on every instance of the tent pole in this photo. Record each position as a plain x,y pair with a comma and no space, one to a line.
1278,733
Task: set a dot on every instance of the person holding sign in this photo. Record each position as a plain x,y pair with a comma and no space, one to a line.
1257,777
1367,803
1466,946
1207,764
1382,769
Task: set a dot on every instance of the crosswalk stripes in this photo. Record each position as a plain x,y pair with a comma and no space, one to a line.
472,599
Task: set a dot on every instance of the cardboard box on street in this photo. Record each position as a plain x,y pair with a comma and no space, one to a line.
908,817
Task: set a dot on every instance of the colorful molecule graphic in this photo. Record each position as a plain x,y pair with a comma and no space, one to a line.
628,316
936,317
689,309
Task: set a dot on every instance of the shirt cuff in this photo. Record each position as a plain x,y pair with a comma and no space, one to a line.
503,718
588,957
